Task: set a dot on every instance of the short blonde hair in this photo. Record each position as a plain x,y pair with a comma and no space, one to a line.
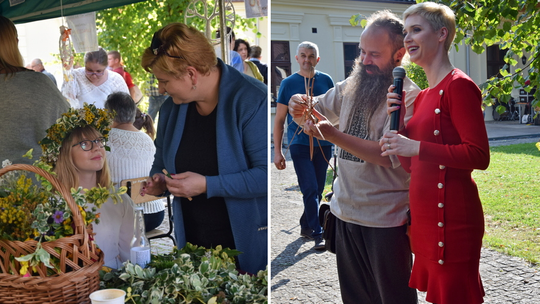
177,46
438,16
65,168
10,56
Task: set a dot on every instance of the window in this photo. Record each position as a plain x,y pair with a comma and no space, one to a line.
280,65
350,53
495,60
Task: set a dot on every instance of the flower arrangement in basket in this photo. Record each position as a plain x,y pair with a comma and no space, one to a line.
47,252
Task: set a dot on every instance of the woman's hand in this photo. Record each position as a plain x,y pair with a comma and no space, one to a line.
393,100
393,143
186,184
154,185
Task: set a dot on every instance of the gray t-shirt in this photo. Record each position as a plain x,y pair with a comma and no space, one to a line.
365,193
29,104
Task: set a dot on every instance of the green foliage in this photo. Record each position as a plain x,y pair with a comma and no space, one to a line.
358,19
129,29
511,201
416,74
514,25
189,275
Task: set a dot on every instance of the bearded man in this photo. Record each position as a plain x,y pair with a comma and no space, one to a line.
370,197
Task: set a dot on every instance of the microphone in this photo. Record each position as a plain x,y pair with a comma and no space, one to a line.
399,74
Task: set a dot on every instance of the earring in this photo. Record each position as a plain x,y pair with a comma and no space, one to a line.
194,87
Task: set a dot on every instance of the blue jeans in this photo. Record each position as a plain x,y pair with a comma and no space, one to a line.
154,103
311,179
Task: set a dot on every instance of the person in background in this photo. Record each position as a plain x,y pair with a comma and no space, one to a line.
311,173
37,66
114,61
255,56
440,146
26,111
234,57
155,99
218,165
370,199
131,153
145,121
93,83
242,47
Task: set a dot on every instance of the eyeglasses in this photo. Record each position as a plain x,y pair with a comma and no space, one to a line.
88,145
158,48
94,73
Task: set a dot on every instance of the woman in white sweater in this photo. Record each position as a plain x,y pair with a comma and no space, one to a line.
132,152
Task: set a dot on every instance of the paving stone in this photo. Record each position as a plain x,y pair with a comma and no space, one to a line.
300,274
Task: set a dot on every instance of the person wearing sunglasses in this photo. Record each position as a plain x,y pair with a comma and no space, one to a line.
93,82
212,135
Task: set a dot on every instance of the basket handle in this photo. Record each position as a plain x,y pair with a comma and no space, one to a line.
61,188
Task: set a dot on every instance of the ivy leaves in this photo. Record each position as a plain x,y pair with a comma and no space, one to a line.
189,275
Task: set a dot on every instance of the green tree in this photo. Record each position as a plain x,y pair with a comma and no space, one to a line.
129,29
416,74
514,26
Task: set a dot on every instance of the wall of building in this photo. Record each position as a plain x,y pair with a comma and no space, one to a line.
293,21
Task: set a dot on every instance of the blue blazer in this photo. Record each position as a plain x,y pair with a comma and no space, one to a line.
242,161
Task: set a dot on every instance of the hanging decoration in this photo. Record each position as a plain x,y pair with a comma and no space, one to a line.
67,56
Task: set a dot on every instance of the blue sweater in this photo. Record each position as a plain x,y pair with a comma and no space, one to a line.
242,144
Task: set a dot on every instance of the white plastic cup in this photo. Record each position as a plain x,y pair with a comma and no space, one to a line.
108,296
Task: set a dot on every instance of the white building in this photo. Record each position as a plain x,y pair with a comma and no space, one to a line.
326,23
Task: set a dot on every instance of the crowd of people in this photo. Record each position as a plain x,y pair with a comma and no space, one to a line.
397,192
218,165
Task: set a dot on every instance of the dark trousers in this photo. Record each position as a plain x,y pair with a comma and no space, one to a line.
374,264
311,179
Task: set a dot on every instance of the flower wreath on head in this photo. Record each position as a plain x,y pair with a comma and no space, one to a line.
88,115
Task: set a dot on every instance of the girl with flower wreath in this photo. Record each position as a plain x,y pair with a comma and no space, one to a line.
75,147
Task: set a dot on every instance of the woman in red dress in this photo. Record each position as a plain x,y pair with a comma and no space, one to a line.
440,146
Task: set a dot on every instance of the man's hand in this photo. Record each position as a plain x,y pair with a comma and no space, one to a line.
279,161
297,106
322,130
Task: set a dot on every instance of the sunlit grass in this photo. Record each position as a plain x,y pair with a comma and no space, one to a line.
509,190
510,197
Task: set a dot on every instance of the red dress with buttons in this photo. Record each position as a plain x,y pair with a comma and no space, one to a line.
447,222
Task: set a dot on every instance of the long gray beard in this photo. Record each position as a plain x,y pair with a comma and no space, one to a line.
365,94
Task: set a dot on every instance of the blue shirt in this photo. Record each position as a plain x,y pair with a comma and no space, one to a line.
295,84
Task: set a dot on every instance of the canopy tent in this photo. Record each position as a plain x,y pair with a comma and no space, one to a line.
22,11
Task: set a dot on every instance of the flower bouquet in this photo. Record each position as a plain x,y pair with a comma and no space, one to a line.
46,250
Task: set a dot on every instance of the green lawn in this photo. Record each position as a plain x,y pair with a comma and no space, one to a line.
511,200
510,196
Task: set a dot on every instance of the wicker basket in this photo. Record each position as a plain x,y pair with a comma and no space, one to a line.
76,253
